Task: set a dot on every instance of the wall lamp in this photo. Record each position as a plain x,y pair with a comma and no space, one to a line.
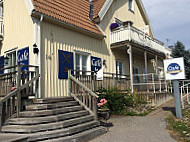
35,49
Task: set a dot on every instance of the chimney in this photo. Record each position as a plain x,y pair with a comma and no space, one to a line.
91,10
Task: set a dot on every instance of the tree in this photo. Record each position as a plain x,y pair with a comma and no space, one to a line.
179,51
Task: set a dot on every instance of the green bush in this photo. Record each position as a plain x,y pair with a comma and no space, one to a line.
117,100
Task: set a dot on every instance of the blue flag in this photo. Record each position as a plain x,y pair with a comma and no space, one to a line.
96,64
2,64
65,63
23,58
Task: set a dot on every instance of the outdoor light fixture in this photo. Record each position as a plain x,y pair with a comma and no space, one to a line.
35,49
104,62
6,59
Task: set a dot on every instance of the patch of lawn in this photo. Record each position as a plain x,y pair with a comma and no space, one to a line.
180,127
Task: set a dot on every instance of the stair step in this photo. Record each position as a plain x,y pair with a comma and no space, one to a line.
47,126
52,100
63,132
51,106
47,119
50,112
81,137
13,138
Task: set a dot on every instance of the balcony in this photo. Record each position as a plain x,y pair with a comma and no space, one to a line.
137,36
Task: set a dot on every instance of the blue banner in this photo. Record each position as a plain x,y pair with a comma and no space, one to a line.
96,64
23,58
2,64
65,63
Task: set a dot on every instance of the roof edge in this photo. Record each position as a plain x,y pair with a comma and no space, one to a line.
30,6
67,25
146,15
104,9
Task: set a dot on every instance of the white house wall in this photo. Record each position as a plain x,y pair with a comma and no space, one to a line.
18,27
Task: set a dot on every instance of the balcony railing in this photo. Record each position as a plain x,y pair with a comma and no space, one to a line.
136,36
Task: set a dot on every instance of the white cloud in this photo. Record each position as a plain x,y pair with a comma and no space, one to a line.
170,19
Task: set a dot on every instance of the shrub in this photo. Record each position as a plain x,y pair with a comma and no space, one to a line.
117,100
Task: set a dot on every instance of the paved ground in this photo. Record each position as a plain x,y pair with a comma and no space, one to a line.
150,128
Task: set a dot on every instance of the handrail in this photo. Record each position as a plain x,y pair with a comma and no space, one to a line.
86,97
185,94
83,86
18,66
7,103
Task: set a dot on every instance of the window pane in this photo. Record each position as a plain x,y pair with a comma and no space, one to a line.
77,62
84,63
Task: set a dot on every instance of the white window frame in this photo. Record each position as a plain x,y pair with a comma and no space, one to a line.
131,5
122,65
80,53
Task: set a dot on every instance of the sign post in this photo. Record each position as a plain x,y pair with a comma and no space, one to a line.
177,99
174,69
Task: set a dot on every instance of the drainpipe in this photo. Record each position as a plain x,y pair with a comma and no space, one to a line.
129,51
37,40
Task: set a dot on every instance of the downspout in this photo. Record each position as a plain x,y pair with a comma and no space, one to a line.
39,54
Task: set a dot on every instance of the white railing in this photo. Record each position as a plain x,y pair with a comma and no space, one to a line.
1,26
137,36
151,83
185,94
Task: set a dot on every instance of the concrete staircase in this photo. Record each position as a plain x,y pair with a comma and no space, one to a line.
55,120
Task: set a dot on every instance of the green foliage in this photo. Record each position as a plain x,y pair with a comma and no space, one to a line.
182,127
180,51
117,100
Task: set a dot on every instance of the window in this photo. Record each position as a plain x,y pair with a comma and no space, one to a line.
12,60
82,62
119,67
131,5
144,75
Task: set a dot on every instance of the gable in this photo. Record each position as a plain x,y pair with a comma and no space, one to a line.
120,9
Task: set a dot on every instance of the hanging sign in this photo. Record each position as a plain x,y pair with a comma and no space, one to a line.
100,74
23,58
174,68
65,63
2,64
96,64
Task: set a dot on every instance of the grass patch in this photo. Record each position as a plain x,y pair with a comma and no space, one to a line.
181,128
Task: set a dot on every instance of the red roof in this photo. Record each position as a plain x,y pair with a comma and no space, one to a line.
75,12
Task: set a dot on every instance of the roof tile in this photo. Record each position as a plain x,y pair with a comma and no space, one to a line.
75,12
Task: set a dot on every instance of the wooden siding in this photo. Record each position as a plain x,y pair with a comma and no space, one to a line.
18,27
56,37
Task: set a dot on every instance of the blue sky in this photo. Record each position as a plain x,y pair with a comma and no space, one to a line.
170,19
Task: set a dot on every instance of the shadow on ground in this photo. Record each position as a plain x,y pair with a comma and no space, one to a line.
170,109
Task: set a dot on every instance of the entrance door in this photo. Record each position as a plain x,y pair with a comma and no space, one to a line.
136,79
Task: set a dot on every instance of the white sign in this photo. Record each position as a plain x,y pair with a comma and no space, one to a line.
100,75
174,69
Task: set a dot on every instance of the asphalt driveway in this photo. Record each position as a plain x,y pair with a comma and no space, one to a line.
149,128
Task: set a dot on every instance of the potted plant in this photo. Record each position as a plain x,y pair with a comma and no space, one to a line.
103,110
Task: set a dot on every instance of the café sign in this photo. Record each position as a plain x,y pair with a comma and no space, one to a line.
174,68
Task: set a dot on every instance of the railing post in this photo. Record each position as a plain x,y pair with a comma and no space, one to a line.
94,75
37,84
160,86
69,83
153,82
95,108
182,103
166,86
188,94
18,93
1,108
113,80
